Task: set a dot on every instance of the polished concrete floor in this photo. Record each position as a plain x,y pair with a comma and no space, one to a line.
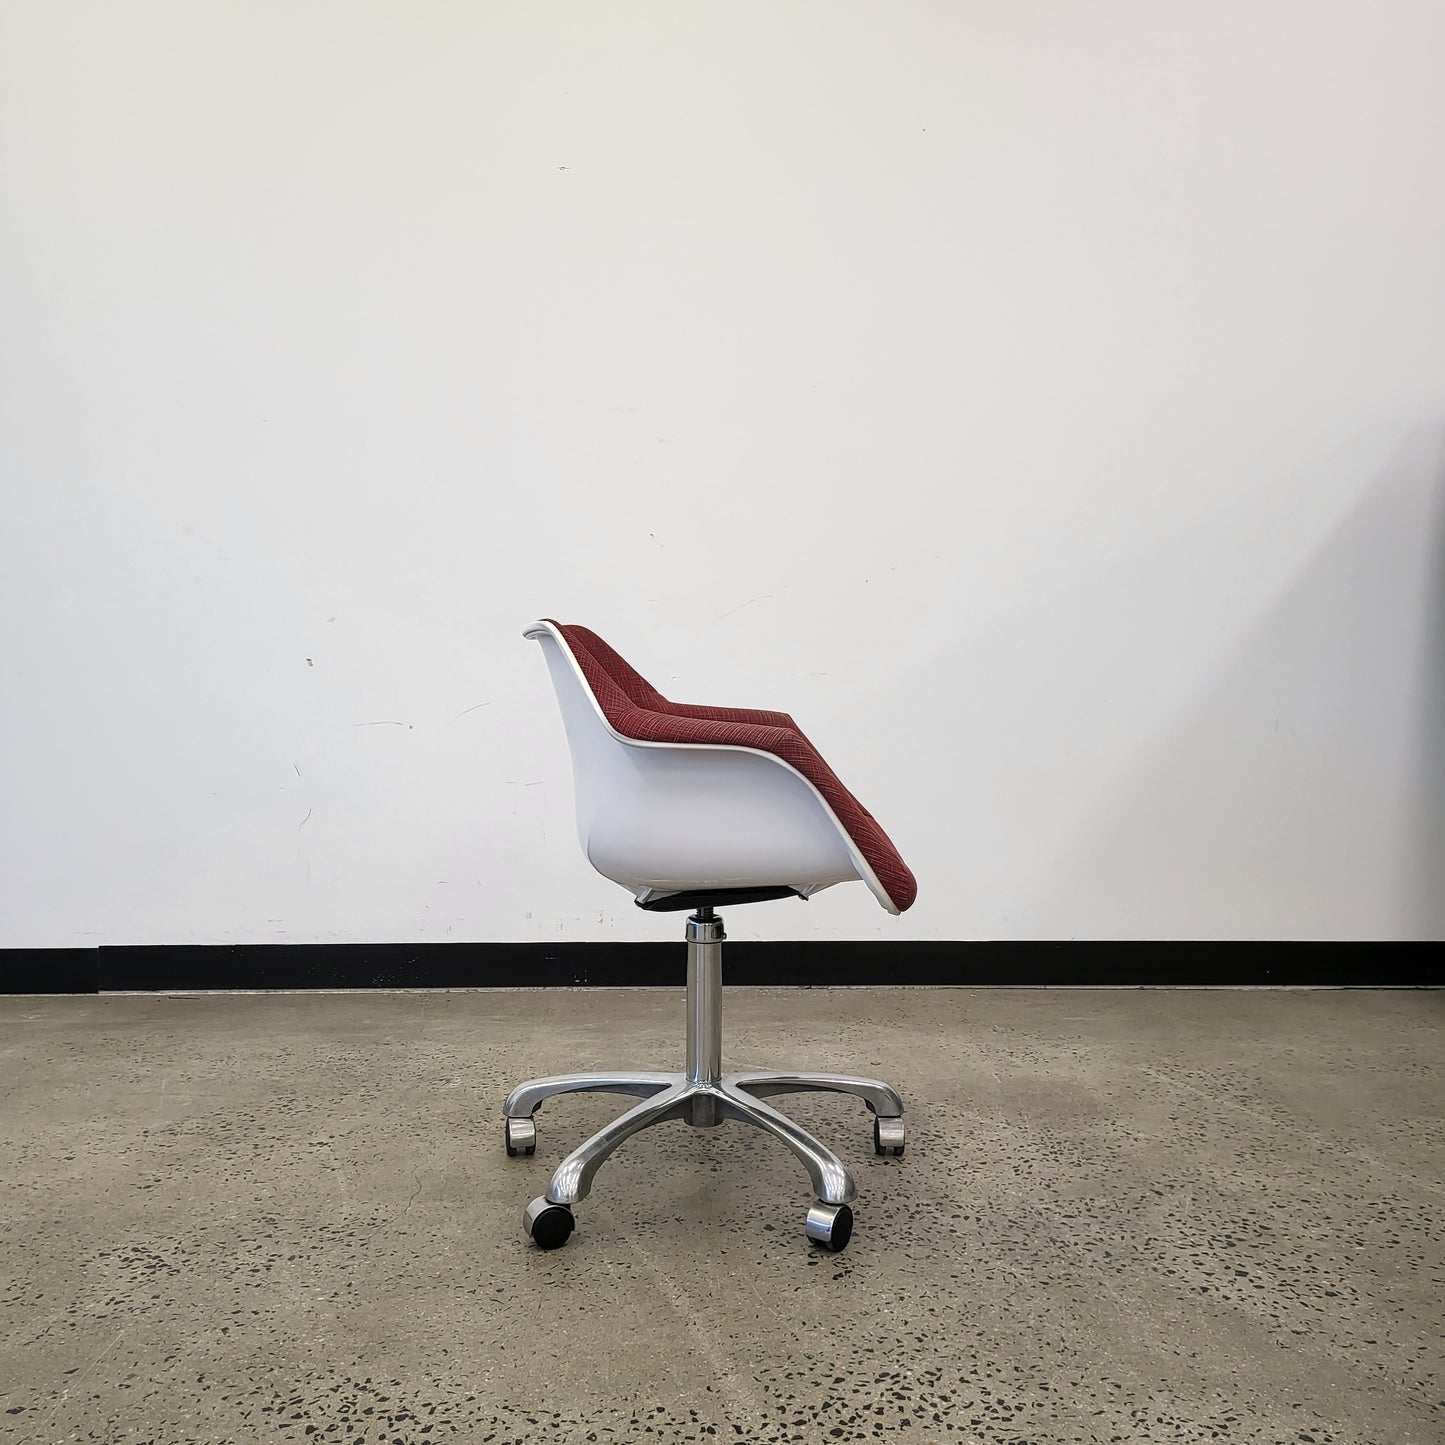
1122,1216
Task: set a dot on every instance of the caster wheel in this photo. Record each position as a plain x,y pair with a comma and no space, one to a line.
830,1225
550,1225
888,1136
521,1137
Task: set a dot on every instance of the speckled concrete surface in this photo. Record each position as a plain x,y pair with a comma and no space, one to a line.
1122,1216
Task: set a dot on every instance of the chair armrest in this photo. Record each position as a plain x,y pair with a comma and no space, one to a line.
761,717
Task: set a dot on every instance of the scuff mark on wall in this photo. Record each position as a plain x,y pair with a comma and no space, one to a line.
466,710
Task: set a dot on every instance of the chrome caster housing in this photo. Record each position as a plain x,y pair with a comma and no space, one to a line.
549,1225
888,1136
830,1225
521,1137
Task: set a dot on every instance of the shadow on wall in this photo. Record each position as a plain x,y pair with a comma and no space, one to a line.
1429,838
1301,793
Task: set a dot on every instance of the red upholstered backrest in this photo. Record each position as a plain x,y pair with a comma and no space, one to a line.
636,709
636,688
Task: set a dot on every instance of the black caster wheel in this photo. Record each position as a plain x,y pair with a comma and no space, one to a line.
550,1225
888,1136
830,1225
521,1137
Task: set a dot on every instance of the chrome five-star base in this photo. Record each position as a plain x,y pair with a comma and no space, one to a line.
703,1096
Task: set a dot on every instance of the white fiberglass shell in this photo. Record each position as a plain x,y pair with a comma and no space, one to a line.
663,818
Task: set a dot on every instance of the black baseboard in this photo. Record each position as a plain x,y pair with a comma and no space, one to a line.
810,964
49,970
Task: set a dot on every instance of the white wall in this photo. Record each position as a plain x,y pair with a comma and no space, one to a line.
1042,401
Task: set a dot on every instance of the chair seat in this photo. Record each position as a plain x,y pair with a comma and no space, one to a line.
635,709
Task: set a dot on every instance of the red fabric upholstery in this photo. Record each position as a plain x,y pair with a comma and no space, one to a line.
637,710
642,693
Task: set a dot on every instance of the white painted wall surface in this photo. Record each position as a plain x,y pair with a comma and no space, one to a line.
1044,402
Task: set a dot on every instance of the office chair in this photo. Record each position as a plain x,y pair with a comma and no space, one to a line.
690,809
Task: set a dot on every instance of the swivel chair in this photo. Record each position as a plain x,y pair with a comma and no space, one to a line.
690,809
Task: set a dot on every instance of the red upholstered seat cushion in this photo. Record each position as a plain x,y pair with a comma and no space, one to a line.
637,710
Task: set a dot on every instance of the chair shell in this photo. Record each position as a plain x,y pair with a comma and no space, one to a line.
665,817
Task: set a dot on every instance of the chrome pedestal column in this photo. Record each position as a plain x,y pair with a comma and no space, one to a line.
703,1096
